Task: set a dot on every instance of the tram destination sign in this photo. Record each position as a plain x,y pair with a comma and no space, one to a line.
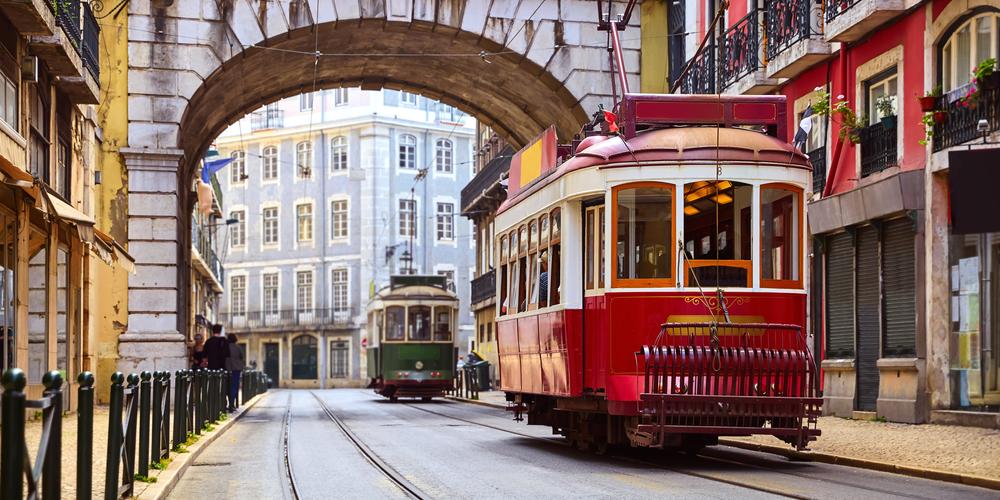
973,176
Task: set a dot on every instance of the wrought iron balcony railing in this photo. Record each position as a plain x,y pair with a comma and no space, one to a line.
267,118
785,23
835,8
817,158
314,317
202,241
91,42
700,77
878,148
740,50
484,287
960,125
487,177
68,18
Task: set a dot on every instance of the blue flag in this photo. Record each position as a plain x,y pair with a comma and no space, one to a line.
210,166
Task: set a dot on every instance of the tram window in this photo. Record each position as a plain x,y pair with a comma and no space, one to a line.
513,299
588,253
717,228
522,240
644,232
554,276
522,284
543,224
394,321
780,216
600,248
556,224
442,323
533,235
533,280
419,323
503,275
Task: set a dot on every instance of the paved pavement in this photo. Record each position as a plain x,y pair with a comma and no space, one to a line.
447,449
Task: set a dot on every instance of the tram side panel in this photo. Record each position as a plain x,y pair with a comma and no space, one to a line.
596,344
541,353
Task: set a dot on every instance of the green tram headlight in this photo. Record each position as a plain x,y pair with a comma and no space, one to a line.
419,365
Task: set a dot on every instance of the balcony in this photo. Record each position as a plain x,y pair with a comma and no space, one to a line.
960,125
291,318
203,256
486,183
484,287
794,38
849,20
817,158
267,118
29,17
878,149
71,52
740,68
700,76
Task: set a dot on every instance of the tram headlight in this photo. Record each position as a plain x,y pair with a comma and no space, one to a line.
419,365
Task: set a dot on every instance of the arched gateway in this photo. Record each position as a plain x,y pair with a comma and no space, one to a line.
195,66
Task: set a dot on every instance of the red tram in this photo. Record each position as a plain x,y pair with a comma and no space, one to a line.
651,282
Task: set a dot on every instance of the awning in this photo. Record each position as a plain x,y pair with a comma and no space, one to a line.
65,212
111,252
16,177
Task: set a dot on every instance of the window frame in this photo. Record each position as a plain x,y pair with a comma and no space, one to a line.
240,228
335,292
265,164
277,226
407,98
444,221
242,309
406,160
310,296
340,219
340,96
795,284
339,155
617,282
238,171
947,38
411,218
303,151
881,79
308,219
444,156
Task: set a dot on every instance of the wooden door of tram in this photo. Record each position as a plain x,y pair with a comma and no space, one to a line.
595,334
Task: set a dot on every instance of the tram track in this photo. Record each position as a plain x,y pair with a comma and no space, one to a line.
408,488
286,423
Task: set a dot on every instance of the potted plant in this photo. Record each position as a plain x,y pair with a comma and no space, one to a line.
929,101
928,120
985,76
850,123
886,108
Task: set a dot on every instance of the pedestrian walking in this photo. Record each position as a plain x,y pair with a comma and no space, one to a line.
198,359
217,349
235,364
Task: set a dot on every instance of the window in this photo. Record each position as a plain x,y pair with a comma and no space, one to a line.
394,321
521,269
304,221
238,169
970,43
340,97
594,251
643,234
238,295
502,302
305,102
304,291
304,357
555,259
445,221
449,275
407,217
238,231
780,245
338,359
303,160
407,152
882,88
443,156
64,164
442,323
419,324
717,232
339,221
339,284
270,288
408,98
9,74
338,154
270,216
269,163
40,132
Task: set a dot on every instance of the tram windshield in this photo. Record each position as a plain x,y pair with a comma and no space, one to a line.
780,222
394,321
717,233
644,232
442,323
420,323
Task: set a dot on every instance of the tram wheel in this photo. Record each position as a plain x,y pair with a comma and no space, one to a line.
393,399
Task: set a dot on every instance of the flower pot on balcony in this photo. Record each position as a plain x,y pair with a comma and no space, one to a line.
940,117
928,103
889,122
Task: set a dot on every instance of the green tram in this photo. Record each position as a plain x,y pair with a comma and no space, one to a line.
411,347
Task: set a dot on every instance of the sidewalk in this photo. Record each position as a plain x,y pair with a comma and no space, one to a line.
967,455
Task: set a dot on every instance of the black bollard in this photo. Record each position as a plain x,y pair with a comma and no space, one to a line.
85,436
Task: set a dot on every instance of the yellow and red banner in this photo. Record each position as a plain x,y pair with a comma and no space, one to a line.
532,161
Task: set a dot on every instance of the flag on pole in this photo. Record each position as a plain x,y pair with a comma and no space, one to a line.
211,164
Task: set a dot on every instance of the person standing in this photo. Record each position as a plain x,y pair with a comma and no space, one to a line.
235,364
217,349
198,359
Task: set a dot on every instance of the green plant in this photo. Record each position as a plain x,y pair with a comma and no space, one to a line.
850,123
208,428
879,418
934,92
145,479
886,105
160,464
985,69
180,449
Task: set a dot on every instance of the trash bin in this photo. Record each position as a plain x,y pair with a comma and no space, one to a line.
481,370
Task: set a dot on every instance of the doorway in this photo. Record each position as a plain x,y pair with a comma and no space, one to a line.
272,363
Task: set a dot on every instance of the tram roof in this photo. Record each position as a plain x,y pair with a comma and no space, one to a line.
727,145
415,292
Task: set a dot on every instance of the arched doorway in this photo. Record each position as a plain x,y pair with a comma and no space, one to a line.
305,358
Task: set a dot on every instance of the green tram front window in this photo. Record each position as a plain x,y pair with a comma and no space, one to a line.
394,321
442,324
420,323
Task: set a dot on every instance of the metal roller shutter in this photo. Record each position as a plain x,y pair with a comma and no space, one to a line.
840,296
869,324
899,281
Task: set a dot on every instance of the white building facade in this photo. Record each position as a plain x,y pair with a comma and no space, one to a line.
328,195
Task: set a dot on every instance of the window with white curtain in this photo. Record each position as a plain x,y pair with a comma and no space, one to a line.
303,160
338,154
269,163
339,219
971,43
304,220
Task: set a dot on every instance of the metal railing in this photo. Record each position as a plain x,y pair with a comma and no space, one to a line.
91,42
835,8
267,118
817,158
700,78
960,125
484,286
785,23
138,420
740,50
330,317
486,178
878,148
67,14
202,240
